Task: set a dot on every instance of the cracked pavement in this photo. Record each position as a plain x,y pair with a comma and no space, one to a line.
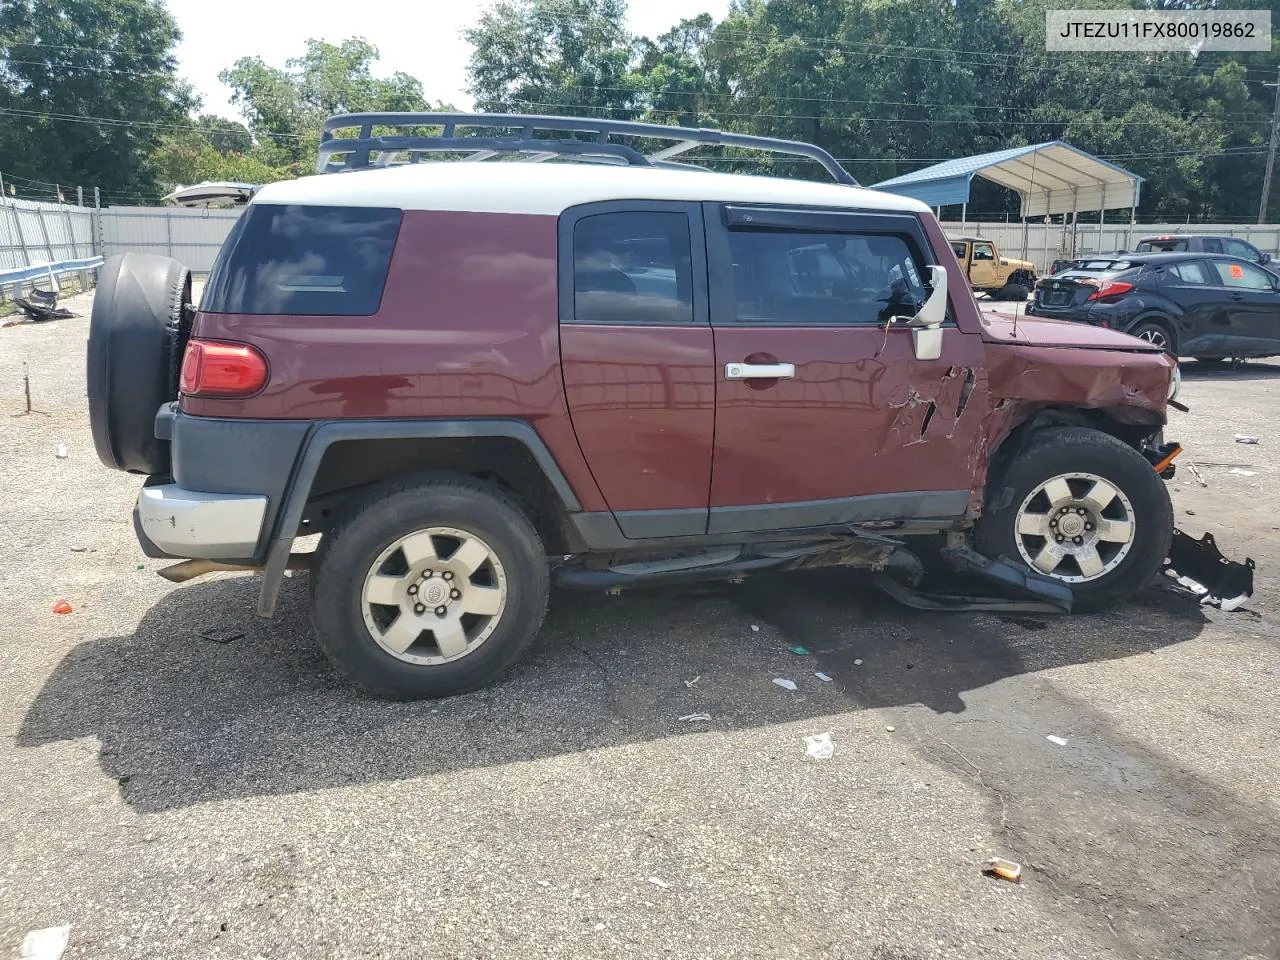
172,797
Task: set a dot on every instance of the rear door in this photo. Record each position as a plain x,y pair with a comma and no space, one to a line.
638,359
822,414
1253,307
1193,286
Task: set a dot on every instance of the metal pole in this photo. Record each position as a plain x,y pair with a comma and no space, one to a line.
964,214
1271,153
1133,220
1102,218
1,183
97,223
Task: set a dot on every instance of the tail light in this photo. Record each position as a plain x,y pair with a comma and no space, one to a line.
214,369
1108,288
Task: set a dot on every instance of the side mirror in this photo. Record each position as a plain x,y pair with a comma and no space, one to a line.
926,326
1264,258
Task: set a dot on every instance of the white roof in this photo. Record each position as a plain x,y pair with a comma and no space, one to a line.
551,188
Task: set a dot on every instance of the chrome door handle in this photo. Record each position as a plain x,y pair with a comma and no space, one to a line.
759,371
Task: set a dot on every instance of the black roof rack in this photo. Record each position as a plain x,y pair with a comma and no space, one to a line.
338,153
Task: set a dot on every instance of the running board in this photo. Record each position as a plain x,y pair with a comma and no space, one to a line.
1044,594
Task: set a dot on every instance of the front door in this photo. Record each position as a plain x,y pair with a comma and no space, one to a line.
638,359
984,274
1253,306
822,414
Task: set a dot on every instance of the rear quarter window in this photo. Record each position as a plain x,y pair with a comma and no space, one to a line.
304,261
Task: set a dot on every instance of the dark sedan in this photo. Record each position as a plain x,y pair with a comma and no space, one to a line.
1193,305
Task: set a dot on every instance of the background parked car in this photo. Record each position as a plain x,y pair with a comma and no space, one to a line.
1207,307
1200,243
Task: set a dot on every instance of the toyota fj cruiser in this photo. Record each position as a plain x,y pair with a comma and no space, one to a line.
479,379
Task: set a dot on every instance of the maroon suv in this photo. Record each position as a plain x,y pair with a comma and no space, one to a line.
476,379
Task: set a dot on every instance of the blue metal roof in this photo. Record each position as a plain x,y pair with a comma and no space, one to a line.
1052,177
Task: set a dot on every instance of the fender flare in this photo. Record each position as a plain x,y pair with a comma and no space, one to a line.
326,434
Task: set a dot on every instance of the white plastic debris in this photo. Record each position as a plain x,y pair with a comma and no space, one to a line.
755,628
889,729
659,882
857,663
822,676
785,684
1245,438
62,451
599,927
696,718
544,883
46,944
1060,741
819,746
690,683
1243,473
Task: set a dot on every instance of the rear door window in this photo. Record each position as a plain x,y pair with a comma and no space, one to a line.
1195,272
304,261
632,268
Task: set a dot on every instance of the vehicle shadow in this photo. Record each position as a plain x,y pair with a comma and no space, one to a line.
182,720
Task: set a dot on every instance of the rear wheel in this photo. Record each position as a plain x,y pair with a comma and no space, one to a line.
1082,507
1155,333
429,587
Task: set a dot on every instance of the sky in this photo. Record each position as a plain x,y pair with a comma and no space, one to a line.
422,39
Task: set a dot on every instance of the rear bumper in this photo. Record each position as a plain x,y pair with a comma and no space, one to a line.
211,526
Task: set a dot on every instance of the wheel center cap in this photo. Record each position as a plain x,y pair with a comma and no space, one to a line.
434,592
1072,525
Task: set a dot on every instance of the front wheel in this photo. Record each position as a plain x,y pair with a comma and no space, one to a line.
1082,507
429,587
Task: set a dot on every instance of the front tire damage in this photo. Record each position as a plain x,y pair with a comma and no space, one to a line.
1088,510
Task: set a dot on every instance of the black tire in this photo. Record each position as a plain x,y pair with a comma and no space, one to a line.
380,517
1011,291
141,316
1158,333
1065,450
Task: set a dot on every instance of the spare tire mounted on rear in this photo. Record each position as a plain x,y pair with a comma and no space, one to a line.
139,328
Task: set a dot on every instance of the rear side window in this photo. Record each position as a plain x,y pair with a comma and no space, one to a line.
959,249
1195,272
304,261
823,278
632,268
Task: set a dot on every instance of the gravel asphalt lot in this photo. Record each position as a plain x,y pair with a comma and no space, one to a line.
168,796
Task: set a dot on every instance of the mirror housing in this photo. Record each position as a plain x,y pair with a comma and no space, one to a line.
926,326
1264,257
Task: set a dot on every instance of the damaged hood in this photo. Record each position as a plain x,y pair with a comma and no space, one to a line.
1038,332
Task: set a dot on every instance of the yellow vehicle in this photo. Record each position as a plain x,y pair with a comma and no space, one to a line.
999,277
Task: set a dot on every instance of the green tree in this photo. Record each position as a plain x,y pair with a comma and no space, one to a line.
555,56
680,86
286,107
67,68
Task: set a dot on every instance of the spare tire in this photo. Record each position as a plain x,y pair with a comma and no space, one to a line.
141,319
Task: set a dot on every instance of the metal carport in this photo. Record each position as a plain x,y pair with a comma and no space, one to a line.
1050,178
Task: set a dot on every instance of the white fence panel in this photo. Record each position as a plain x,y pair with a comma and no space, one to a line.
1048,242
33,233
191,236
